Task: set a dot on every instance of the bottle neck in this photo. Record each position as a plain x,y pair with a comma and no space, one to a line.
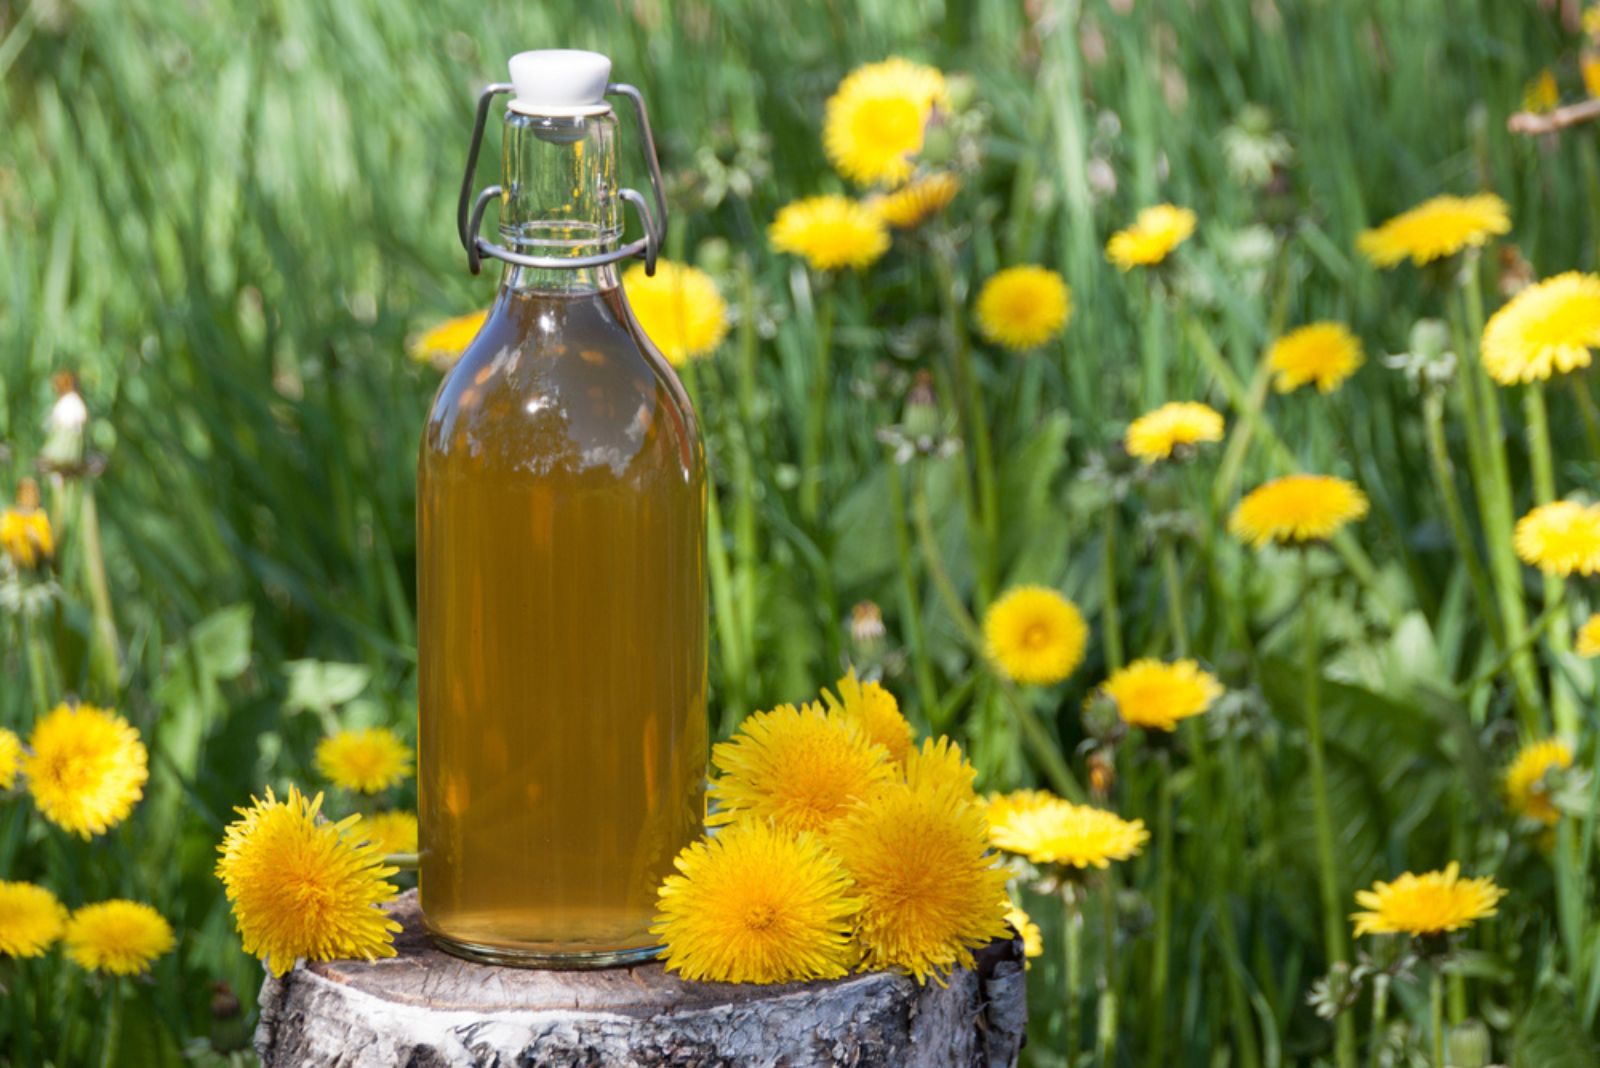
560,198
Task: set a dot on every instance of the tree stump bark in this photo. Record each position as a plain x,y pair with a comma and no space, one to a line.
425,1009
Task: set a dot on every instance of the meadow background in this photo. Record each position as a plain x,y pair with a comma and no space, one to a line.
227,219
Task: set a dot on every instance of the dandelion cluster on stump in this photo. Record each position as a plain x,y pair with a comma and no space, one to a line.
837,845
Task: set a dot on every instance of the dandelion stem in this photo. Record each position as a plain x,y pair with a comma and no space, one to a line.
1327,860
38,667
910,600
1586,408
1174,584
112,1031
816,411
1436,1014
1105,1041
1455,514
1161,970
1072,937
1494,500
1563,703
975,421
1380,1018
103,645
403,861
746,551
1110,616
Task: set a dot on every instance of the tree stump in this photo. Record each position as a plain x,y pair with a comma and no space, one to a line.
425,1009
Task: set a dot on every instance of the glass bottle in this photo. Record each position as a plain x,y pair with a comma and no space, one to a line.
561,592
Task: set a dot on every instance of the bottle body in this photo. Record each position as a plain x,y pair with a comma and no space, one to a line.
562,633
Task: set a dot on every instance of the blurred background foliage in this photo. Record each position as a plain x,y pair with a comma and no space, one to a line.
227,218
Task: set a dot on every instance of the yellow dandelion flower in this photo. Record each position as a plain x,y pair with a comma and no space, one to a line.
1174,427
1156,696
443,344
1001,808
1034,635
799,767
941,764
117,937
391,832
757,904
679,307
873,709
1435,229
1060,832
1427,904
1155,232
25,534
931,891
10,758
1541,94
830,232
31,919
1325,353
874,123
1560,538
1526,789
1589,70
917,201
1546,328
1589,637
87,770
1027,930
304,887
1297,508
369,760
1023,307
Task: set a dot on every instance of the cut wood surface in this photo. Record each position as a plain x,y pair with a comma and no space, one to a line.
424,1008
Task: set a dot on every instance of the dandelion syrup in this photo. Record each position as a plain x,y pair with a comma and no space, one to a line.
561,598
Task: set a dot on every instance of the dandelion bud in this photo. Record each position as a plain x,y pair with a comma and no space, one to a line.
866,629
938,145
1100,718
1469,1045
1429,338
921,418
1102,774
714,256
959,89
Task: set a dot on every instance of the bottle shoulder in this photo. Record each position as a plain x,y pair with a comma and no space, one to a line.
562,383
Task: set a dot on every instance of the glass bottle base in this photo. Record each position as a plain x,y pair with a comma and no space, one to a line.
511,957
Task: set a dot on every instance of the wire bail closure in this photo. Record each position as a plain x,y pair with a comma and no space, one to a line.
470,209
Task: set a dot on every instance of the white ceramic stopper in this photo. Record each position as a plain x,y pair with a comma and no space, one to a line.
560,81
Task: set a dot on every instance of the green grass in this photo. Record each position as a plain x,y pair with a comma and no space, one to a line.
227,220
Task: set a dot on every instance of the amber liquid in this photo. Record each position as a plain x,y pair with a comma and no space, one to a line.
562,635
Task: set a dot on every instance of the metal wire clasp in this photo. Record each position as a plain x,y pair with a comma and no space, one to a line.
470,209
